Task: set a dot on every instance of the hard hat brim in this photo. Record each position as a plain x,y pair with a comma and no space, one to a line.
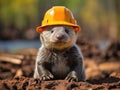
42,28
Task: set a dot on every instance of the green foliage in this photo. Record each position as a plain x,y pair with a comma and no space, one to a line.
96,14
18,12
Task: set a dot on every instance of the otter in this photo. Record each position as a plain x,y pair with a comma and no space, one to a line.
59,57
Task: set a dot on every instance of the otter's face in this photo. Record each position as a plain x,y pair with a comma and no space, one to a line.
58,37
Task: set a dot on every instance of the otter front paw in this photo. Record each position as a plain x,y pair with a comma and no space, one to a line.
72,76
46,76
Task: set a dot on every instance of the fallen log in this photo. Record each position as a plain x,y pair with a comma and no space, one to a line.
12,55
21,57
10,60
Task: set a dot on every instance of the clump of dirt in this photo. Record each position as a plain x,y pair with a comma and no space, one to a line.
20,83
24,83
113,51
9,69
91,50
102,70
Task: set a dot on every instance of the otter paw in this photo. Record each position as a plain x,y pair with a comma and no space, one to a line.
46,76
72,76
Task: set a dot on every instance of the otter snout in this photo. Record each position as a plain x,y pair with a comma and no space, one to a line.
60,36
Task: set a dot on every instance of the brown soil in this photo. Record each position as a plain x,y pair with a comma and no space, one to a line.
102,70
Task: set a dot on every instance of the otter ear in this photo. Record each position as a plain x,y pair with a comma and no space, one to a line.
40,29
77,29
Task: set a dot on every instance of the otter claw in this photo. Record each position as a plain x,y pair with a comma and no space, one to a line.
71,79
46,77
72,76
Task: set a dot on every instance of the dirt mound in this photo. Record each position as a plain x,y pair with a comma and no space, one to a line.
102,70
24,83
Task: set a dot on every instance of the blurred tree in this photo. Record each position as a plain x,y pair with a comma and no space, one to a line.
99,16
19,13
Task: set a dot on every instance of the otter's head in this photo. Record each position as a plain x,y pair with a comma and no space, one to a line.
58,37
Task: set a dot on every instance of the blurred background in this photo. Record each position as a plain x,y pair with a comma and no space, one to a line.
99,20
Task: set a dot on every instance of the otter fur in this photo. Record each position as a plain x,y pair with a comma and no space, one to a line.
59,57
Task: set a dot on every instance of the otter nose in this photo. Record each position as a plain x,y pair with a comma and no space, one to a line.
60,36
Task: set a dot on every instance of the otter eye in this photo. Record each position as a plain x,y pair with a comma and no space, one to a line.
52,31
66,30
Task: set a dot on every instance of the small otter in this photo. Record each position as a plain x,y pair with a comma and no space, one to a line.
59,57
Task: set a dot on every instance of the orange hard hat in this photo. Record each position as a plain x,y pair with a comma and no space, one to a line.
58,15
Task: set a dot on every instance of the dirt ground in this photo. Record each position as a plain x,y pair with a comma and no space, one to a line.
102,70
